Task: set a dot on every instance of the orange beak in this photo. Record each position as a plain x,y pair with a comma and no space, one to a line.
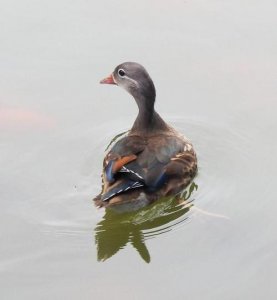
108,80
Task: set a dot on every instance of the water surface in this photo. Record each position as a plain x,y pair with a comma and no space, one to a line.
214,66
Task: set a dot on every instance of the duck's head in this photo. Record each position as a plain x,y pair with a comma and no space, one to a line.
135,80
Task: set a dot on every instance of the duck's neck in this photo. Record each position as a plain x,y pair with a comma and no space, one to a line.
148,120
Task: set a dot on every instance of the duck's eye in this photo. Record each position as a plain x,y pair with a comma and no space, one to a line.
121,72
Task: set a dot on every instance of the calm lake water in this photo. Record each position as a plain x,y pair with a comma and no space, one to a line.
214,65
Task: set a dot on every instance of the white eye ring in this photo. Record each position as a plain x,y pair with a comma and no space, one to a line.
121,72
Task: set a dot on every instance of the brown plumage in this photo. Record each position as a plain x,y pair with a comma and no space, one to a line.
153,160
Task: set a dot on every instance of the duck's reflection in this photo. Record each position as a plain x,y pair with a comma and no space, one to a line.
117,229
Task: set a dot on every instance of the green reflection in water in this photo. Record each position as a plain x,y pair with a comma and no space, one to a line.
117,229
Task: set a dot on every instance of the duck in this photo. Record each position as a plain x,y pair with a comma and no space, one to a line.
153,160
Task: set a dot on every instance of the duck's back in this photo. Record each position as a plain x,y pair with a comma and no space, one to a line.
155,162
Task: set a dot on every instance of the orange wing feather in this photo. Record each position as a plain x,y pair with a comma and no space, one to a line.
123,161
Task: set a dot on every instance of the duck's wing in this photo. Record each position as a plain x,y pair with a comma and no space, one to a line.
148,164
170,157
118,177
123,152
179,171
121,187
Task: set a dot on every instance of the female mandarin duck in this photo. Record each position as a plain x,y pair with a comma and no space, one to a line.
153,160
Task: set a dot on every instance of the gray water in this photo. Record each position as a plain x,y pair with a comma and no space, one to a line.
215,68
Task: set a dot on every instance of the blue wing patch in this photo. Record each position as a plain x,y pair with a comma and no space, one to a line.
157,183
